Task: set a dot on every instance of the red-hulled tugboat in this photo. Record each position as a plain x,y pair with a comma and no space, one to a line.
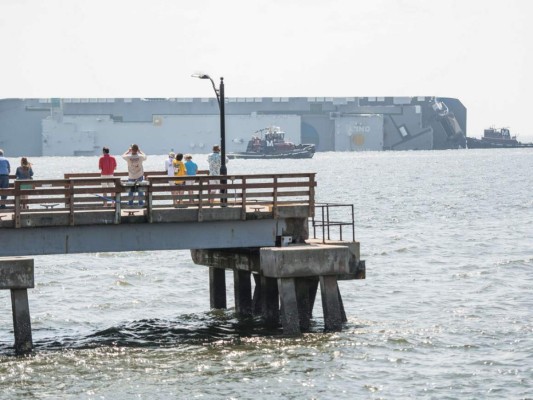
270,143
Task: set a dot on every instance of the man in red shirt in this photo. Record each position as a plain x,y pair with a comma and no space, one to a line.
107,165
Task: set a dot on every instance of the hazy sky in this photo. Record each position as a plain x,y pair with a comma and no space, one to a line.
477,51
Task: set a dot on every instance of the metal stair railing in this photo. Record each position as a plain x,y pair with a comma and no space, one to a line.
324,222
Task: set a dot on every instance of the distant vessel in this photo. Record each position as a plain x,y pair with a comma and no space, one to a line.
494,138
270,143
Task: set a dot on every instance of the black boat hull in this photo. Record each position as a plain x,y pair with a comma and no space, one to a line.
268,156
473,143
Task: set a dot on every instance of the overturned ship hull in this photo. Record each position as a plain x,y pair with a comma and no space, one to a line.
79,126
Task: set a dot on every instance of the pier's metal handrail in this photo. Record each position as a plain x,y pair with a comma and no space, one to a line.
251,193
323,219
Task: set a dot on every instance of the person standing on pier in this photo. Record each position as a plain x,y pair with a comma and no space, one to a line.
191,168
24,172
5,170
215,162
135,158
168,164
107,165
179,170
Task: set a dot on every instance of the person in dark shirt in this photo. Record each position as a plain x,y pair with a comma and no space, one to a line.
24,172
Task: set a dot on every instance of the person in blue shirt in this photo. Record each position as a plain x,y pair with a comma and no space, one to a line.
191,168
5,170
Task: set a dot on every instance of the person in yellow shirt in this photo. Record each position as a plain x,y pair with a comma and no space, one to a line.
179,170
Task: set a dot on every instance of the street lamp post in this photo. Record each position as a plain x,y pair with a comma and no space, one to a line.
220,99
223,169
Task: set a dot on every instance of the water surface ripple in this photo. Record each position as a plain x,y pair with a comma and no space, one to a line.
445,311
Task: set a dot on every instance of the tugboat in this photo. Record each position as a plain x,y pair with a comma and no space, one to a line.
269,143
495,139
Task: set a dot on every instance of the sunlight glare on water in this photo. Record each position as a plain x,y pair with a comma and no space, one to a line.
445,311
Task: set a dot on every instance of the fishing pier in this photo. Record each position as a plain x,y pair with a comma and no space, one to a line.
257,226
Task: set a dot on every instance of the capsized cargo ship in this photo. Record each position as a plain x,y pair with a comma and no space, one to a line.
82,126
270,143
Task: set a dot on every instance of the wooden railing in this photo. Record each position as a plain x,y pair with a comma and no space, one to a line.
84,192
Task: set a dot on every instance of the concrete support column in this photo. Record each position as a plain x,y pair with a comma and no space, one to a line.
243,292
217,287
21,321
16,274
256,298
270,301
290,319
343,312
304,303
330,303
313,289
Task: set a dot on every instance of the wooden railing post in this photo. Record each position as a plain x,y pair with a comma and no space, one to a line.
275,200
200,201
243,212
118,200
17,204
149,202
71,202
311,195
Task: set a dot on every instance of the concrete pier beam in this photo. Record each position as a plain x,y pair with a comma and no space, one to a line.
17,275
303,261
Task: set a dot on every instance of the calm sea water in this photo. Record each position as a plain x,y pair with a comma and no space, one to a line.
445,312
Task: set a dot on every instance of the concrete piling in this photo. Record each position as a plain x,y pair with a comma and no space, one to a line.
290,319
304,303
270,301
330,303
217,287
243,292
17,275
256,298
21,321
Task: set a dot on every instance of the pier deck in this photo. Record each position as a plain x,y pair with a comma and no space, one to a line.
217,212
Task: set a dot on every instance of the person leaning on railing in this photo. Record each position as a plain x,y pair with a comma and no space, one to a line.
5,170
24,172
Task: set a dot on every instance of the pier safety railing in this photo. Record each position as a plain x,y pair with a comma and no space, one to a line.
330,218
84,192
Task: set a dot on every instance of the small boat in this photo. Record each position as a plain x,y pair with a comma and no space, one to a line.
270,143
494,138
